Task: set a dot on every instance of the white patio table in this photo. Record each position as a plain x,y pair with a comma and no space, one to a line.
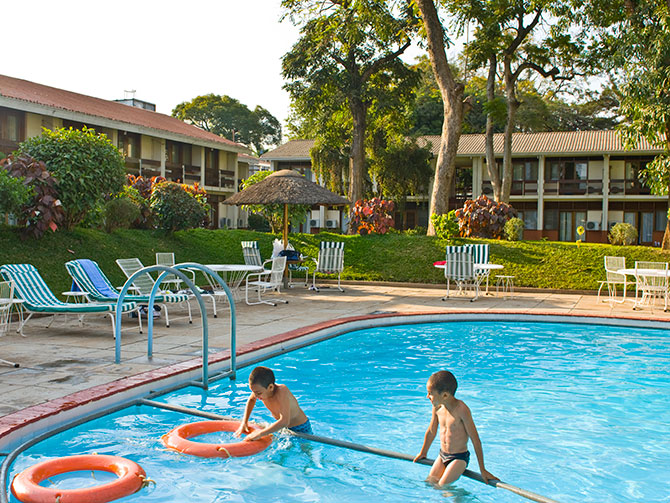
478,267
233,274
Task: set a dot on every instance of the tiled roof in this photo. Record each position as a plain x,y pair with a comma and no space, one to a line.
563,142
31,92
294,149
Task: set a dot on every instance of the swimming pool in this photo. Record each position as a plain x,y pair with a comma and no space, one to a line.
572,411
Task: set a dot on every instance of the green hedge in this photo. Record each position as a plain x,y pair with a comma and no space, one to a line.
392,257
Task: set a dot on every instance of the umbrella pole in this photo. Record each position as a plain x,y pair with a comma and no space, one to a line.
285,225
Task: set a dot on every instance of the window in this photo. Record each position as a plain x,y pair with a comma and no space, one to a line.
529,218
551,219
661,220
129,144
11,127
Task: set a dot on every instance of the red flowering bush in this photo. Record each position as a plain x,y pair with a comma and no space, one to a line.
373,215
483,217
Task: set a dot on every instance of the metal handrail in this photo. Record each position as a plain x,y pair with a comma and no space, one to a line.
165,271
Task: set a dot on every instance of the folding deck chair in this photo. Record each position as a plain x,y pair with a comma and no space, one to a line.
460,268
329,261
90,279
38,298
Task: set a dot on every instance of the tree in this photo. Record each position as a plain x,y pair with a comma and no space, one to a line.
401,169
88,167
643,51
452,93
504,36
343,46
227,117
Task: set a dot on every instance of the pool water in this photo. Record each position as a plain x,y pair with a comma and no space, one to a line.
573,412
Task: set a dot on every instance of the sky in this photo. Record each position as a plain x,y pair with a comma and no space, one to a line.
167,51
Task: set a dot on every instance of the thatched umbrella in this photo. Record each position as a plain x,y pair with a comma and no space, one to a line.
286,187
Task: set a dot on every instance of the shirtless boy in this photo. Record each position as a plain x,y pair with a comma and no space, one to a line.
456,426
280,402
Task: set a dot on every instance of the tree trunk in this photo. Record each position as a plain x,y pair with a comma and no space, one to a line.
357,156
494,174
512,107
452,96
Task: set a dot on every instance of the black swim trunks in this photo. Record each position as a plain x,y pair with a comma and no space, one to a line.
448,458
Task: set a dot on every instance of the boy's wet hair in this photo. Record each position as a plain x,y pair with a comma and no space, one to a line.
262,376
443,381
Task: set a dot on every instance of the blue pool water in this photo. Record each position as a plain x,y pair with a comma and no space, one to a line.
573,412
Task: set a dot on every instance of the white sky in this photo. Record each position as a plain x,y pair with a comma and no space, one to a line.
169,51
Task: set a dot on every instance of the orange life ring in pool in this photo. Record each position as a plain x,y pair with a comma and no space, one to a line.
178,440
132,478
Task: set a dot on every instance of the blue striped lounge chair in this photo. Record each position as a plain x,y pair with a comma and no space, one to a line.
329,261
460,268
90,279
38,298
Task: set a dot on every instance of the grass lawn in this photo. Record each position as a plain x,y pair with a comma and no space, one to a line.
392,257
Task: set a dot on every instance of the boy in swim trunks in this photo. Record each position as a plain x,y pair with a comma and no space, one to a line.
280,402
456,426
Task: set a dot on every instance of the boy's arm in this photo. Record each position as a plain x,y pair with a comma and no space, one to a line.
281,422
471,430
244,428
428,437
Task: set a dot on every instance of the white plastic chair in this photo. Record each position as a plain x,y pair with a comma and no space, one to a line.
652,281
460,268
613,264
266,280
167,259
329,261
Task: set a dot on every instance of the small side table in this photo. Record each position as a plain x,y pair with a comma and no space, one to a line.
505,285
78,297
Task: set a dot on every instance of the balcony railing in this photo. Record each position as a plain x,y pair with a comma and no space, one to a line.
573,187
628,187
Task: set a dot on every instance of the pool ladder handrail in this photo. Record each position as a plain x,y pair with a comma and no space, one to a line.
165,271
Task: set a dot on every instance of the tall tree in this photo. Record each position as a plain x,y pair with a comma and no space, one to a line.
227,117
343,45
639,41
452,92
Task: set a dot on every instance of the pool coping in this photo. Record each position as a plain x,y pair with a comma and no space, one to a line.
20,426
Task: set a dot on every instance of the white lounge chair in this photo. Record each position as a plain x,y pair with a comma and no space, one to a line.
460,268
329,261
266,280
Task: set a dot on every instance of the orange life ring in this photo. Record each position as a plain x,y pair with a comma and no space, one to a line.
177,439
132,478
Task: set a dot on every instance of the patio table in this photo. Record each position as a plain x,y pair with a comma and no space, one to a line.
661,273
233,275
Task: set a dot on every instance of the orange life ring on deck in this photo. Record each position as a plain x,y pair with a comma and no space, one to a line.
132,478
178,439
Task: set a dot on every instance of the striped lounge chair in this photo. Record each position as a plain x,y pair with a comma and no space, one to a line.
38,298
480,255
329,261
90,279
460,268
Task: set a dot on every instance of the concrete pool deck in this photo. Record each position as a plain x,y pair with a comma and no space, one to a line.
67,358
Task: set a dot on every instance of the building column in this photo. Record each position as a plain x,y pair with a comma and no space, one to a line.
477,165
163,152
540,192
606,192
202,166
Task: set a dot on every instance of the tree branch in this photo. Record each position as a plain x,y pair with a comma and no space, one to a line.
383,61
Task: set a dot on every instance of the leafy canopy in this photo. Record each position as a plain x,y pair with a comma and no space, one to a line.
227,117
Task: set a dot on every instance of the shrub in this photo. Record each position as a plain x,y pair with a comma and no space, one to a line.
89,168
483,217
416,231
623,234
258,223
14,195
372,216
175,209
514,229
119,213
446,226
138,190
44,210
